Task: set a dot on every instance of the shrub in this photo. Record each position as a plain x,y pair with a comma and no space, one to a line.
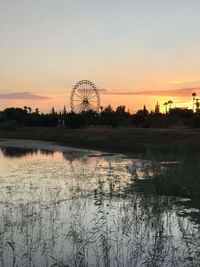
8,125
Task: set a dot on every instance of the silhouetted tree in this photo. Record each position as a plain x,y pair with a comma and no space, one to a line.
170,102
157,108
90,117
16,114
121,110
181,112
53,111
108,117
123,117
73,120
145,111
197,104
193,99
165,104
64,111
140,118
25,108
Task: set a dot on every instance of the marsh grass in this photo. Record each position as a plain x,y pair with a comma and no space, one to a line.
178,179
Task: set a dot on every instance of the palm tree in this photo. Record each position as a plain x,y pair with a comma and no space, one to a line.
193,99
170,104
197,104
165,104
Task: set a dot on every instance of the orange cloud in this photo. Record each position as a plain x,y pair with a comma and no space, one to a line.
183,92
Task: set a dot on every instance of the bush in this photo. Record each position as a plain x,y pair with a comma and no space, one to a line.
196,121
73,120
8,125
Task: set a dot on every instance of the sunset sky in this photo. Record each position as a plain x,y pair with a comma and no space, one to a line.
138,52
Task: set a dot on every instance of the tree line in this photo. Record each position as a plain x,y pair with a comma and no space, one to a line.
108,116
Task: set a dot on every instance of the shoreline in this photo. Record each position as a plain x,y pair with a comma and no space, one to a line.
113,140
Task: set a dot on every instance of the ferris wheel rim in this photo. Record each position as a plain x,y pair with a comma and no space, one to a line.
86,98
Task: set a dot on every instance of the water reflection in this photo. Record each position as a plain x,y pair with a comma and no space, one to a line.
71,209
13,152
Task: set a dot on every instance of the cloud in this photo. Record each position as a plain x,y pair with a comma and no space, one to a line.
103,91
176,82
183,92
23,95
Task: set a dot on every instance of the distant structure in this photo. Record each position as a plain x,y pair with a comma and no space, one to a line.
84,96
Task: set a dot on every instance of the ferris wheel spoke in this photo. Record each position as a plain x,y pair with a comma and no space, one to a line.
77,107
92,106
81,90
94,101
77,98
80,98
80,93
90,93
86,92
92,96
89,107
80,102
80,108
85,107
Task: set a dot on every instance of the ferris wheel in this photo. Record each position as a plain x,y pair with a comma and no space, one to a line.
84,96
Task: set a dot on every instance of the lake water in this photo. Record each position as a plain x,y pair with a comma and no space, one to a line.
69,207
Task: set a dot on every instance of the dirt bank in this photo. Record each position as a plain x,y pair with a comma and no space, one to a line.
121,140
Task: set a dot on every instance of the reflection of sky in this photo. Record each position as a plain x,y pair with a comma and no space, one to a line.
46,46
52,207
